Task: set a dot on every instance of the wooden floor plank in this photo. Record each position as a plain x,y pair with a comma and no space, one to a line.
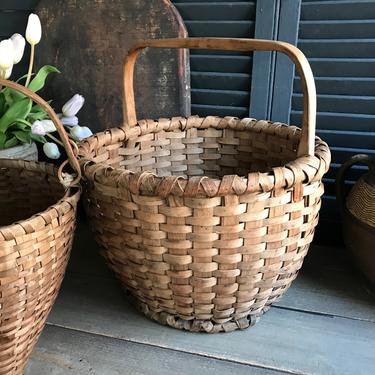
62,351
286,340
313,295
327,284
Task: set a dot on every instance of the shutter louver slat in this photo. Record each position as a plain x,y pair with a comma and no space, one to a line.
358,86
336,10
218,80
216,110
344,48
219,63
340,103
216,11
329,29
340,121
228,29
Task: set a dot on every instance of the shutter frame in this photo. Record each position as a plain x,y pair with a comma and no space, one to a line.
342,59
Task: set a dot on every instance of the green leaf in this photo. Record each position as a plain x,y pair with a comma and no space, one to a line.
22,136
37,138
19,110
33,116
37,113
36,108
11,142
40,78
19,125
24,123
10,96
3,105
3,138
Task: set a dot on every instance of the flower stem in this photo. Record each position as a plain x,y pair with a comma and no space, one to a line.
31,64
55,139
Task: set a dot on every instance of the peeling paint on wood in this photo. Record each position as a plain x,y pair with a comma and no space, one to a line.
88,41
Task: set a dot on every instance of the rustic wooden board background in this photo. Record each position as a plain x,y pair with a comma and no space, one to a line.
88,40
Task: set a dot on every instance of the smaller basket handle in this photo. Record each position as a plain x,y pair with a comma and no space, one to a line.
59,127
307,143
340,178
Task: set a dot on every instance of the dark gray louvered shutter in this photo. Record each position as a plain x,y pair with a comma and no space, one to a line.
338,38
220,81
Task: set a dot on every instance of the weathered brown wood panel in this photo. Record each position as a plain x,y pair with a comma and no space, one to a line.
88,40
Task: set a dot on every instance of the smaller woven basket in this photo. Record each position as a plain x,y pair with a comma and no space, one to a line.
37,222
206,220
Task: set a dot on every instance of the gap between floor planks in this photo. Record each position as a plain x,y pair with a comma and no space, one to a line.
62,350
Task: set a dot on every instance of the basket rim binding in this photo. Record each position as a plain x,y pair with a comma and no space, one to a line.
66,203
302,170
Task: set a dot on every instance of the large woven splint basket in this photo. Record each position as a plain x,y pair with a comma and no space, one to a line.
37,222
206,221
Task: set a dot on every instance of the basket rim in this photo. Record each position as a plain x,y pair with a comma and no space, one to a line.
302,170
39,220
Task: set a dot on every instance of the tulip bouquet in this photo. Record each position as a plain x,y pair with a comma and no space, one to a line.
20,121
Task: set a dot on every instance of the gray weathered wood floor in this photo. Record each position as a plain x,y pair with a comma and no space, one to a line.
324,325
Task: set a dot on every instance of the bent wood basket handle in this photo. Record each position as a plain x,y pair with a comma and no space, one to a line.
59,127
340,178
307,142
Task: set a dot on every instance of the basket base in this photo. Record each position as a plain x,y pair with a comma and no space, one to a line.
196,325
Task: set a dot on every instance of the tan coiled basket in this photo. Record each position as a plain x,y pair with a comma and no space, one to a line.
206,221
37,222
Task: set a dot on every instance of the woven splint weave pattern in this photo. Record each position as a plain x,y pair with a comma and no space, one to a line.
206,221
37,222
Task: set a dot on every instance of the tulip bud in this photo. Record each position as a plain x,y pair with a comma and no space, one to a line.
72,106
6,54
51,150
18,46
37,128
80,132
69,121
8,72
33,29
48,126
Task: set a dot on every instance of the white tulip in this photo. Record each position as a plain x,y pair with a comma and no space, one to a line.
69,121
48,126
18,46
72,106
33,29
6,54
51,150
8,72
80,132
42,127
37,128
